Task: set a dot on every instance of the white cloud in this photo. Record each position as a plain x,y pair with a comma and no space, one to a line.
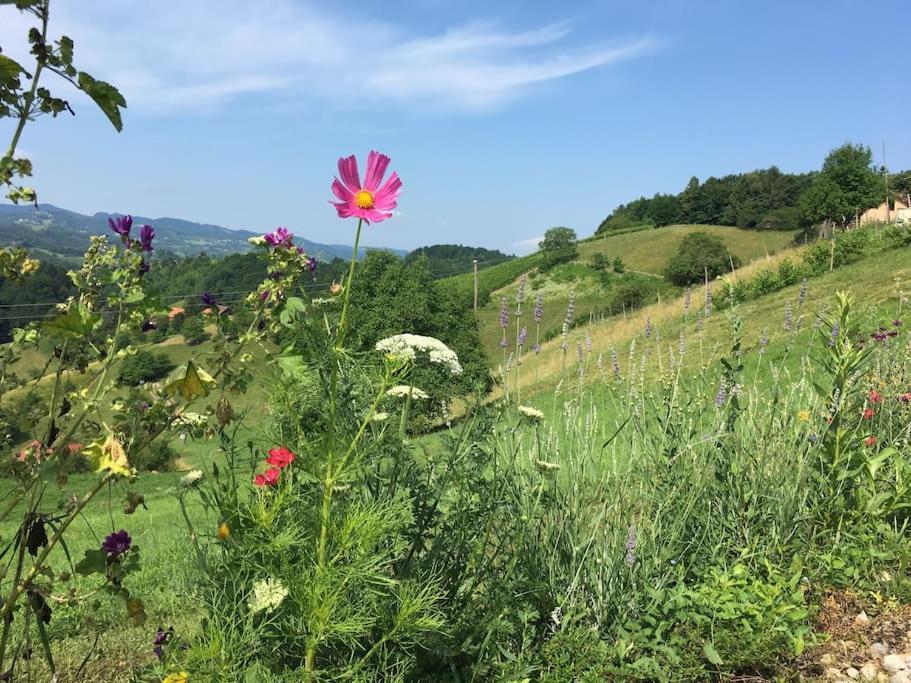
527,246
211,52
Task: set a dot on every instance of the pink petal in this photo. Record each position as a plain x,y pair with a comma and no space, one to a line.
347,168
341,191
376,168
375,216
385,197
343,208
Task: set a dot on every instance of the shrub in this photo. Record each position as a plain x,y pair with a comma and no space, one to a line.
144,366
627,295
699,255
619,266
156,457
599,261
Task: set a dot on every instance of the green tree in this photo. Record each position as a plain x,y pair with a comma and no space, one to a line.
699,254
193,331
144,366
558,246
848,184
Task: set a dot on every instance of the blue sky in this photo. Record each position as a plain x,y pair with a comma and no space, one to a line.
503,119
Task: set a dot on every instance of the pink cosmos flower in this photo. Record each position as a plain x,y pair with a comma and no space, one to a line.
368,200
280,457
270,478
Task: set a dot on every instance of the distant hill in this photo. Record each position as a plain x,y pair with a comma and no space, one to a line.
451,259
65,233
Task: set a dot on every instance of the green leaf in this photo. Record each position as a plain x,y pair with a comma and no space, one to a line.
9,72
711,653
190,382
94,562
106,96
78,322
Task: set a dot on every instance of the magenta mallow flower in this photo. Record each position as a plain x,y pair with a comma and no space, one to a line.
121,226
116,544
146,235
209,300
311,265
280,237
369,200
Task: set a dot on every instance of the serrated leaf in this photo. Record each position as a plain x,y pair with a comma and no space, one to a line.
108,455
106,96
190,382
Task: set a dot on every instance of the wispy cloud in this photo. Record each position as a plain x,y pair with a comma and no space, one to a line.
527,246
212,52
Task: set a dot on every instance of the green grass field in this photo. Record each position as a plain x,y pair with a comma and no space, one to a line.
649,250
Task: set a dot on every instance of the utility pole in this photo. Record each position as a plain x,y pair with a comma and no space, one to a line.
474,265
886,176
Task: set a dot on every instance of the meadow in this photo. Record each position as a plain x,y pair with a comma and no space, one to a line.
585,522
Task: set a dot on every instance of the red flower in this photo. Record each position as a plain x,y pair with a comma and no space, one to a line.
868,414
270,478
875,397
905,398
280,457
870,441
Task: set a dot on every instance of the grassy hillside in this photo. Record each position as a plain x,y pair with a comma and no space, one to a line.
650,250
597,293
878,283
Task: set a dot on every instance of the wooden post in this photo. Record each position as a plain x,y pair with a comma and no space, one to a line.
474,265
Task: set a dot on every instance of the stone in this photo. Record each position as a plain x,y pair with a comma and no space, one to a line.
862,618
852,673
832,673
868,671
900,677
893,663
828,659
878,649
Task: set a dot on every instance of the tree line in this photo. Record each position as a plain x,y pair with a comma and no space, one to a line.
769,199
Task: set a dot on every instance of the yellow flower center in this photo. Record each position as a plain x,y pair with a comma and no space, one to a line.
364,199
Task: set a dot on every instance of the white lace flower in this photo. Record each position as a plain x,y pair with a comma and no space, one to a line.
403,390
406,346
533,413
191,478
546,466
380,417
266,596
257,241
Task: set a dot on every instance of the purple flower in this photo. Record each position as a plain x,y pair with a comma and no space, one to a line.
834,336
522,334
708,302
536,348
896,323
146,235
802,295
721,396
648,328
143,406
161,638
144,267
520,294
571,308
148,326
504,312
311,265
280,237
788,317
116,544
687,300
615,362
631,544
121,226
209,300
264,295
539,308
588,342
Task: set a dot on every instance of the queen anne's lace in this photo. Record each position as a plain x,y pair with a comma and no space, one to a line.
407,346
403,391
267,595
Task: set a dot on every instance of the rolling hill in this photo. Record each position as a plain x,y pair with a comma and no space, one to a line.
59,232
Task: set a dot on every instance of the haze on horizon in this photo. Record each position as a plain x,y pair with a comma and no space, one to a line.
501,122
